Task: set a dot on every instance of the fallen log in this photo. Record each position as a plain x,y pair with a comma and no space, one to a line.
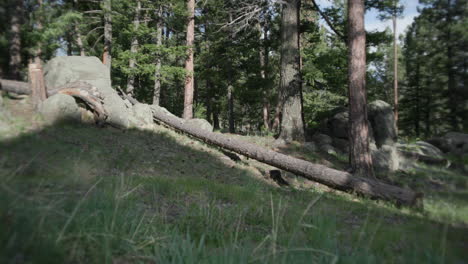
15,87
80,90
85,92
336,179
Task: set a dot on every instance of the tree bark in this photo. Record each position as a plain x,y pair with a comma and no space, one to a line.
157,72
416,119
107,57
230,97
209,101
16,87
360,157
451,82
38,51
333,178
79,40
133,51
292,125
37,84
395,72
264,61
189,84
15,39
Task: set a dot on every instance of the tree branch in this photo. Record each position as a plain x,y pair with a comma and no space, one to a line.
329,23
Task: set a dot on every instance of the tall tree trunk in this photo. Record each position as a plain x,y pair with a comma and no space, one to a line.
450,70
292,125
231,81
38,51
15,39
189,84
69,44
232,128
157,71
277,118
133,51
360,157
107,57
209,101
216,125
418,99
79,40
395,72
264,61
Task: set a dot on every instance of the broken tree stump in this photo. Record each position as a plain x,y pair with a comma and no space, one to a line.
37,84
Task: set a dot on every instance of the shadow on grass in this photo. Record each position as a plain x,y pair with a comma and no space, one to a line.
75,193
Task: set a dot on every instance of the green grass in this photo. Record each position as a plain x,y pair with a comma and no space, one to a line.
78,194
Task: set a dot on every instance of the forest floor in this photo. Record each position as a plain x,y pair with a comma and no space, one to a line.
73,193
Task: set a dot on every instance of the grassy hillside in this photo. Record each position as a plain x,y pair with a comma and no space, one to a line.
81,194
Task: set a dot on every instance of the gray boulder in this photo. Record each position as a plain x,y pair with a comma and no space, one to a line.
143,114
322,139
324,143
200,124
163,110
60,107
419,151
458,143
385,159
338,124
425,148
327,148
341,144
310,146
65,69
441,143
382,120
453,142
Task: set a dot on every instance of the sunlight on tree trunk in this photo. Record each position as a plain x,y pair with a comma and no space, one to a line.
133,51
395,71
157,71
360,157
189,83
292,126
107,57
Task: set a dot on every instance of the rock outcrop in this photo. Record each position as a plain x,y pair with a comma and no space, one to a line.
383,135
58,108
453,142
66,69
382,122
201,124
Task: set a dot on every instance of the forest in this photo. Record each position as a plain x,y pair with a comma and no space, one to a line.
233,131
237,56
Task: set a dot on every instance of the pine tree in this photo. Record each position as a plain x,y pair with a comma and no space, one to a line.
292,125
189,79
360,158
